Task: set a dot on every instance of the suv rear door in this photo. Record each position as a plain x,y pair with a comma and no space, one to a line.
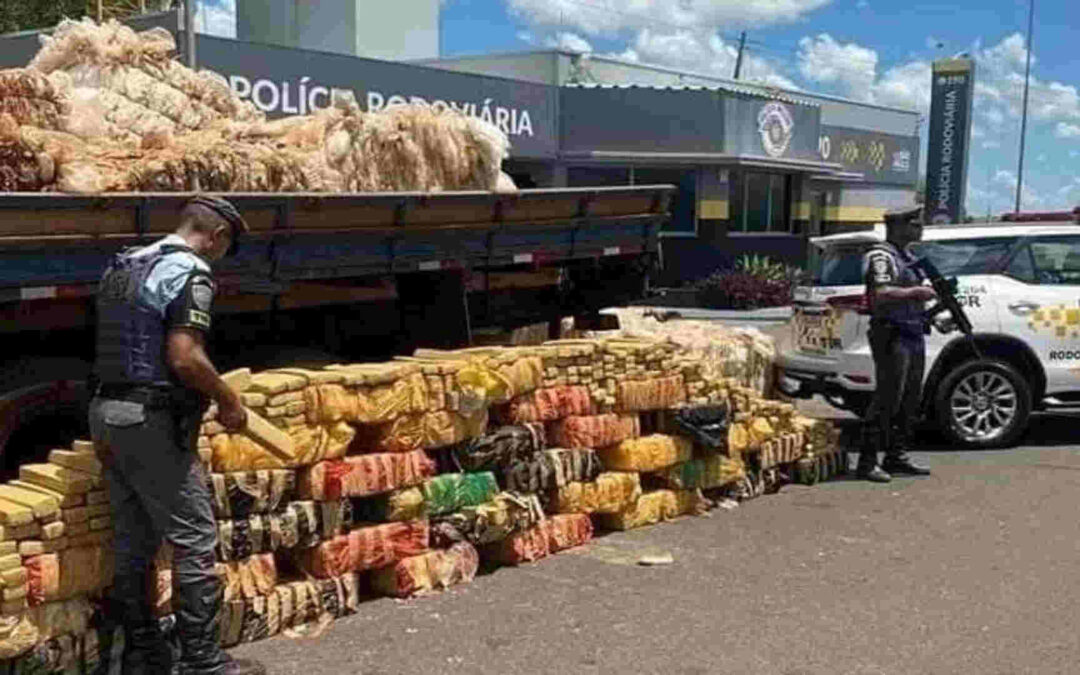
1040,303
826,320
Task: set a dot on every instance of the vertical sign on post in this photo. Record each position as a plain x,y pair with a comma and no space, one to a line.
950,133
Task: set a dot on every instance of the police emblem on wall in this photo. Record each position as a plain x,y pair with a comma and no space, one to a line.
777,126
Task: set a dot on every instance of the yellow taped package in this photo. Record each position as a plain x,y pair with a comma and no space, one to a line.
316,443
237,452
649,453
385,403
481,386
427,431
652,508
329,404
611,492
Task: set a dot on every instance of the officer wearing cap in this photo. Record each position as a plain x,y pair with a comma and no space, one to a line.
153,383
897,342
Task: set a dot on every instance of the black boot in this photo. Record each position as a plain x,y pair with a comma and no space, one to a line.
145,650
875,439
198,626
897,461
868,469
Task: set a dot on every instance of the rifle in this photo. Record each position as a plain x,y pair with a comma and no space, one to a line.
947,302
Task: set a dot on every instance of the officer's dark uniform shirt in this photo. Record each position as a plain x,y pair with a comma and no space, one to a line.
145,294
886,265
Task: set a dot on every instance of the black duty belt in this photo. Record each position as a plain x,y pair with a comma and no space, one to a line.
151,397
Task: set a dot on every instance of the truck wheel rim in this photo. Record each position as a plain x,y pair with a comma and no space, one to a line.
983,405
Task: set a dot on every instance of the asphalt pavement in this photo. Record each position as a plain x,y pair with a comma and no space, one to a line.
971,570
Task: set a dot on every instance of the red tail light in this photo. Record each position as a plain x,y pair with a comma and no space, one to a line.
855,303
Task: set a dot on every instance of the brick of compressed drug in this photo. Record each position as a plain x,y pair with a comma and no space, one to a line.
87,462
284,399
10,562
59,478
98,510
31,547
73,529
11,593
82,446
53,530
8,547
270,437
66,501
96,538
100,523
16,576
17,532
13,514
44,507
238,380
253,399
74,515
97,497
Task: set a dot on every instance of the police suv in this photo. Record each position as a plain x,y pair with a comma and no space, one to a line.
1019,284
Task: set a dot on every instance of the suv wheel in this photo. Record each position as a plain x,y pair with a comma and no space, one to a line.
983,404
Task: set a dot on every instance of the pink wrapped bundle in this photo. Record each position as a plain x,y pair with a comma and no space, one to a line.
548,405
365,549
526,546
364,475
567,531
427,572
654,394
593,431
42,578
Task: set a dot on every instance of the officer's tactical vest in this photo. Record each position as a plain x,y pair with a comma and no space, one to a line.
897,311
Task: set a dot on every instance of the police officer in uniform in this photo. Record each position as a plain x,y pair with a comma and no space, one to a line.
153,383
897,341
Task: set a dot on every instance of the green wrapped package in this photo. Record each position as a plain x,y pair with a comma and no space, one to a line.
713,472
454,491
394,507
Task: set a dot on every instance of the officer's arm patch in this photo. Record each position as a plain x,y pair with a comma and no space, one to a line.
192,308
880,269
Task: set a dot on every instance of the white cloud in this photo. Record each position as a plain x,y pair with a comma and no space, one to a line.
905,86
851,67
612,17
568,42
991,144
526,36
216,18
1041,157
1005,177
1000,78
1064,130
977,132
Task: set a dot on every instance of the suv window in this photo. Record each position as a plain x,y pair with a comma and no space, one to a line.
1049,261
842,265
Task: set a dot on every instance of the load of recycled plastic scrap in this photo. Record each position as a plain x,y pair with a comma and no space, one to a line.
102,108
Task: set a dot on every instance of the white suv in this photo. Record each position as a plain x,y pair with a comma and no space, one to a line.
1020,286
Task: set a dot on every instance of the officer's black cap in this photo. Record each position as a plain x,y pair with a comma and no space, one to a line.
226,210
907,214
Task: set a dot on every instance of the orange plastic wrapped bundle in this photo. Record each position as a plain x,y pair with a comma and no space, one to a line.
651,508
424,431
594,431
550,404
248,578
364,549
364,475
427,572
712,472
526,546
611,492
43,578
649,453
568,530
84,570
652,394
386,402
329,404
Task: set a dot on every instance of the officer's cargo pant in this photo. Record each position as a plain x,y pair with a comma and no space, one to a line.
159,492
899,360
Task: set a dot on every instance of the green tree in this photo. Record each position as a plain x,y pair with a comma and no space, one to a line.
18,15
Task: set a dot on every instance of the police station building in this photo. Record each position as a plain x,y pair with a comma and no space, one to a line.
759,170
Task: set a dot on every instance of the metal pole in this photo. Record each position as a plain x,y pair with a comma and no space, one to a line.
189,32
738,60
1023,119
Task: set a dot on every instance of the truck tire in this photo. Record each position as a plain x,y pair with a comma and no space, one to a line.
983,404
43,404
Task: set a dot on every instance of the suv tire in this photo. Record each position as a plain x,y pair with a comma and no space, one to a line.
983,404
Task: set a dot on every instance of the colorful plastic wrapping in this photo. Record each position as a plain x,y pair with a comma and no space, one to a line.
593,431
521,547
364,475
451,492
427,572
567,530
60,654
399,505
499,449
43,578
705,474
611,492
548,405
329,404
706,425
651,508
552,469
85,570
649,453
241,494
421,431
237,452
365,548
506,513
385,403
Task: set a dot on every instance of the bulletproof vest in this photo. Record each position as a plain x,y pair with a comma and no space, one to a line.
130,332
899,311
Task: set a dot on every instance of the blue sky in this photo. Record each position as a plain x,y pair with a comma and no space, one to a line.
874,50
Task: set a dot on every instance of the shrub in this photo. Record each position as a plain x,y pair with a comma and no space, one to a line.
754,283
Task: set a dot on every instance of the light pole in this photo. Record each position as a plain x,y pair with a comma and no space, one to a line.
1023,119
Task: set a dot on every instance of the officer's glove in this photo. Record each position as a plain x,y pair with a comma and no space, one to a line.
945,325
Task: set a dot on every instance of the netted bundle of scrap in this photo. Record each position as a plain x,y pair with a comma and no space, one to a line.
102,108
